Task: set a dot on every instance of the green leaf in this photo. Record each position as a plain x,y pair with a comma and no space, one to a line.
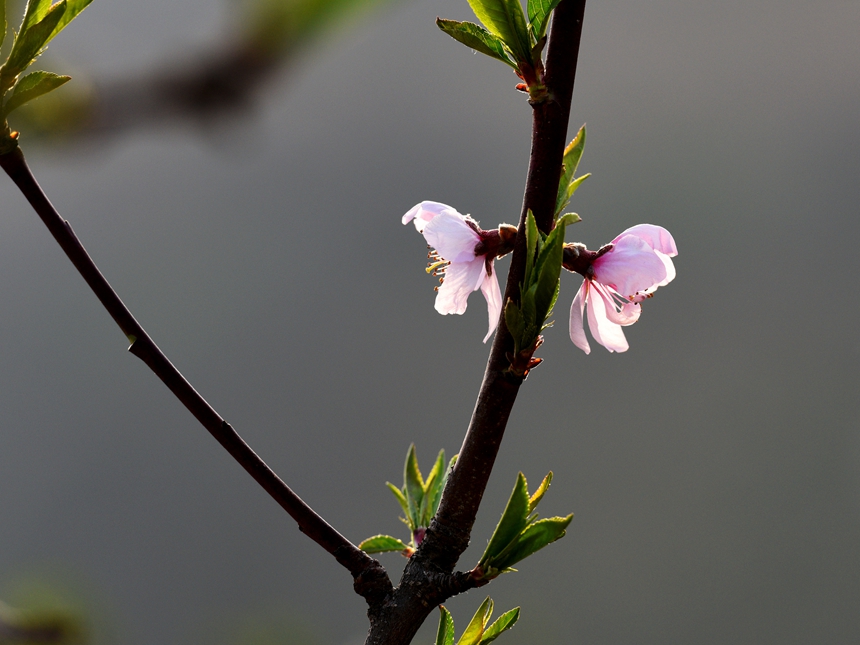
535,537
429,501
567,219
570,162
539,11
29,43
445,633
532,236
35,11
504,623
527,308
477,38
516,324
414,486
572,186
475,628
73,8
513,521
32,86
3,24
437,497
401,498
505,19
548,270
382,544
535,499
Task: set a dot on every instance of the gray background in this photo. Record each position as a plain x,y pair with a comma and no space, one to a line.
714,469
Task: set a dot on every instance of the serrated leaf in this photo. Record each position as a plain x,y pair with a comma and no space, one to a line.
572,186
429,502
445,632
539,12
477,38
505,19
568,218
535,499
34,12
29,43
535,537
401,498
73,8
529,313
441,489
570,162
548,270
504,623
515,323
382,544
513,520
532,237
475,628
32,86
414,486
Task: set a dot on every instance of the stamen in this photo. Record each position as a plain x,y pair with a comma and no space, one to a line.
435,265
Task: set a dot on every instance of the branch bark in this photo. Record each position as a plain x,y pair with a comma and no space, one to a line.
370,578
396,621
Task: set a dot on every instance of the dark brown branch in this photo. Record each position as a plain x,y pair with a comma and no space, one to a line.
397,621
370,579
467,482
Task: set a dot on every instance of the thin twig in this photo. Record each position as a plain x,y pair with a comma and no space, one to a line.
363,568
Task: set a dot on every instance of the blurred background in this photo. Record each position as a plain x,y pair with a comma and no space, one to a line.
713,469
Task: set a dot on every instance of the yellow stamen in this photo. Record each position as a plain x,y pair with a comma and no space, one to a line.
435,265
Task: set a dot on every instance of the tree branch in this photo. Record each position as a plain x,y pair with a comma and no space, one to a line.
396,622
370,578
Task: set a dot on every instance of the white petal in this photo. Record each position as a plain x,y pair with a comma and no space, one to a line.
605,332
670,268
491,291
577,329
657,237
461,279
452,238
630,266
424,212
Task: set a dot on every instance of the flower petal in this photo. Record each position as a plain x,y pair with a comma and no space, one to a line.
670,269
630,266
656,237
461,279
629,311
424,212
605,332
453,239
577,329
491,291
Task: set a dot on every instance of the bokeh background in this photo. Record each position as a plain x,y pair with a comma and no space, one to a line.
714,469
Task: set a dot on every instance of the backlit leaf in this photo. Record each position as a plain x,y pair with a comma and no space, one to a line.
382,544
477,38
32,86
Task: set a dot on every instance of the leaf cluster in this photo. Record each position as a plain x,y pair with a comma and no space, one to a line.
419,498
539,288
477,632
42,21
507,35
520,533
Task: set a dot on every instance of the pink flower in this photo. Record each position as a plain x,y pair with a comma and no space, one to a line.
464,253
621,275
